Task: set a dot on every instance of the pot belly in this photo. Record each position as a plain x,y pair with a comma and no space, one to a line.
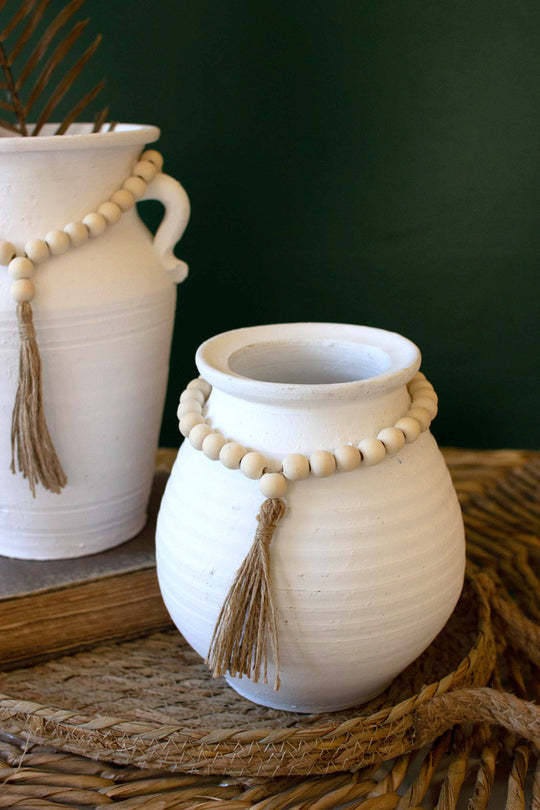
366,568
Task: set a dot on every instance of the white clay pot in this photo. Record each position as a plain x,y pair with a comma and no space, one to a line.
103,314
367,565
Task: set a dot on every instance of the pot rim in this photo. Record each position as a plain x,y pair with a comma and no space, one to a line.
224,360
79,136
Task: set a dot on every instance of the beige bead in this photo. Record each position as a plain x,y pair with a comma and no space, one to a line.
409,427
231,454
428,403
393,439
421,385
7,252
136,186
200,385
21,267
193,395
145,169
111,211
422,416
212,445
347,458
189,406
22,290
188,422
37,250
96,223
296,467
253,465
273,485
58,242
123,198
322,463
78,233
154,157
198,434
373,451
415,384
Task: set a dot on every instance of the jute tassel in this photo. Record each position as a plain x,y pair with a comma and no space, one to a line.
31,443
247,621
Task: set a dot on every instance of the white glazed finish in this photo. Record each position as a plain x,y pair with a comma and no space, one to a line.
104,314
367,565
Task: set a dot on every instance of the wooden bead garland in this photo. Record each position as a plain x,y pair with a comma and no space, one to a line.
31,444
297,467
246,626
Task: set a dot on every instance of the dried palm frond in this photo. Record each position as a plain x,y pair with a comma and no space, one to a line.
31,67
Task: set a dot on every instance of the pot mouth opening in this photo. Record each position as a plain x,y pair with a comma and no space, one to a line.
317,362
307,360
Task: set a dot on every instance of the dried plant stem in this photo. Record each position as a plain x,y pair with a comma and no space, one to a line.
17,106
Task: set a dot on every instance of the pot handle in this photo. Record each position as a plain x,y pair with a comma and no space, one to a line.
172,194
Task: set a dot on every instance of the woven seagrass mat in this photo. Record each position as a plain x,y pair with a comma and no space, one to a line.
458,716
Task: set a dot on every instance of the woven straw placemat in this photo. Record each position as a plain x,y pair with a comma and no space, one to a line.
150,704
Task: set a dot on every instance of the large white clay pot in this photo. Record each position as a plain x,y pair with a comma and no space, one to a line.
367,565
103,314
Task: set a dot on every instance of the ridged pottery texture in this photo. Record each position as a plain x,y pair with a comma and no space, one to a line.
366,566
103,314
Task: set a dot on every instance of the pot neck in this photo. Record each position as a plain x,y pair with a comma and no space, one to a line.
300,387
47,182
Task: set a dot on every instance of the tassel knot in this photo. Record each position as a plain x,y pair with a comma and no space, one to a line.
247,621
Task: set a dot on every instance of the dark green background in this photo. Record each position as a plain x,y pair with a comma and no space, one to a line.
367,162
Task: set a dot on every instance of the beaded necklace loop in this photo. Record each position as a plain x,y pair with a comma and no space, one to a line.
246,627
31,444
273,479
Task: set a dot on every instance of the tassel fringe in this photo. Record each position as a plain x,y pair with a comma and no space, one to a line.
246,625
31,444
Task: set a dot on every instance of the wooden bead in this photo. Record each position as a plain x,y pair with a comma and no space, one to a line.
198,434
409,427
273,485
231,454
22,290
253,465
145,169
420,385
422,416
188,406
347,458
393,439
428,403
58,242
373,451
212,445
136,186
423,388
154,157
37,250
200,385
111,211
7,252
21,267
296,467
96,223
78,233
188,422
192,394
322,463
123,198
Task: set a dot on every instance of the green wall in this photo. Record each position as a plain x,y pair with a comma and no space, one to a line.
369,162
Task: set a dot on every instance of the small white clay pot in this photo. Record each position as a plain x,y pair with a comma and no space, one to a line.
366,565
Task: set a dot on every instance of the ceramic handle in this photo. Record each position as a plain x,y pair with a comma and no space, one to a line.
172,194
